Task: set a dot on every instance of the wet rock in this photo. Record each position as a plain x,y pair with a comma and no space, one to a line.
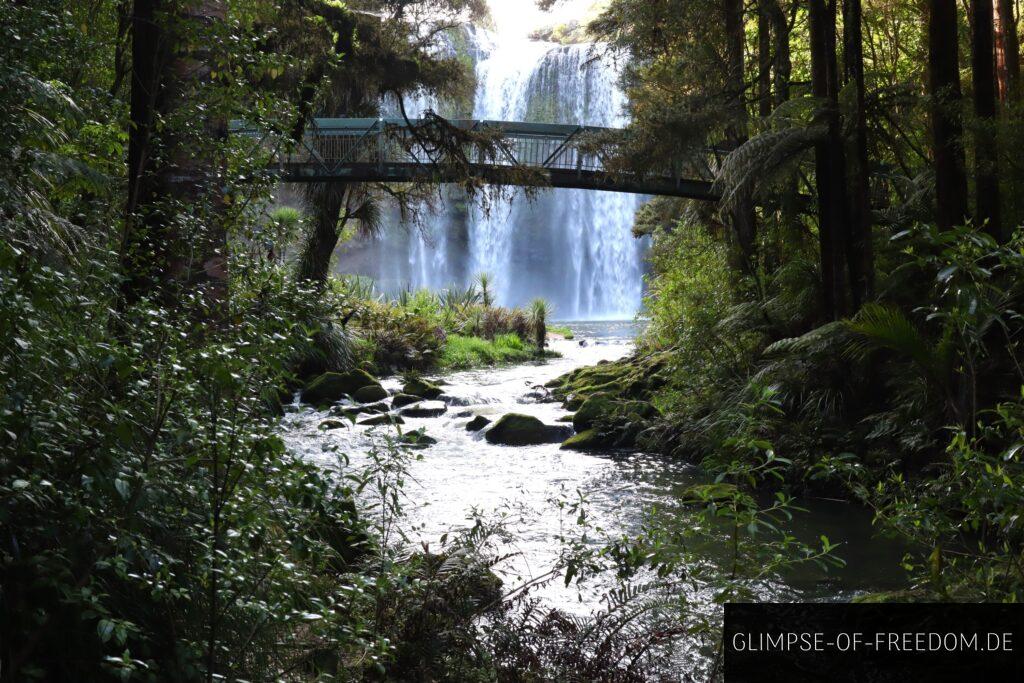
386,419
460,401
421,387
417,439
587,440
565,418
331,387
477,423
332,424
515,429
537,394
464,413
378,408
401,400
425,409
370,393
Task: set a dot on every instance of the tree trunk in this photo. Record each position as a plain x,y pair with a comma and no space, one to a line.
1007,52
829,158
860,254
983,78
947,120
174,234
782,63
327,201
764,59
742,218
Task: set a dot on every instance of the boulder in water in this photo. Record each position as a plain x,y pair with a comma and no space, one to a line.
515,429
371,393
385,419
331,387
332,424
477,423
418,439
401,400
418,386
587,440
425,409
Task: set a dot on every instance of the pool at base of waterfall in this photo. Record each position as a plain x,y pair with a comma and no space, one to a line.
463,475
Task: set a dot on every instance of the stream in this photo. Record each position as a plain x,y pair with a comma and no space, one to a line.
463,473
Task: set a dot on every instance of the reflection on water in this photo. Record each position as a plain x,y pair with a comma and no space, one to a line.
463,473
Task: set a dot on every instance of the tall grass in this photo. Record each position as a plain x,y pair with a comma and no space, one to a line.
465,352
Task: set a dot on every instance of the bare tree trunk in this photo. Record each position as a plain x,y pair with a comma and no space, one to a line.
1007,52
764,59
860,256
742,218
782,64
947,119
829,158
983,78
169,168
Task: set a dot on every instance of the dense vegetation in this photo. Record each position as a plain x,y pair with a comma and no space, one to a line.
845,319
852,302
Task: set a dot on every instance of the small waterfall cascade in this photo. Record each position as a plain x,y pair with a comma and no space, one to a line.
574,248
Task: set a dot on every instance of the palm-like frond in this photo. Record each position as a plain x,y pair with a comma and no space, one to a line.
763,161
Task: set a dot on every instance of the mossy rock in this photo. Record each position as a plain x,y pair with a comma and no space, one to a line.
477,423
587,440
418,386
331,387
516,429
594,409
386,419
401,400
371,393
565,418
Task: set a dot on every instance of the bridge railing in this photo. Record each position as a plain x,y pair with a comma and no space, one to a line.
333,143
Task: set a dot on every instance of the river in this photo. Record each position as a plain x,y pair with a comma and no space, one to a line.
463,475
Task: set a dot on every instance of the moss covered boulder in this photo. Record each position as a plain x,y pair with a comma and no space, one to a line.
331,387
418,386
516,429
588,440
371,393
593,410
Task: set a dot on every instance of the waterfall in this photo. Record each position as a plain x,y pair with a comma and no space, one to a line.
572,247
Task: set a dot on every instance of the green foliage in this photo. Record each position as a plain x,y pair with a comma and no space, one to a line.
537,319
467,352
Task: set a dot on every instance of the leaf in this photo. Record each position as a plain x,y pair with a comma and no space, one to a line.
104,629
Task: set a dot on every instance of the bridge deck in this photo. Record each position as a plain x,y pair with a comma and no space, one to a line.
389,150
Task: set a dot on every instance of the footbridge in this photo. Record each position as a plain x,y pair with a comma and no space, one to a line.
500,152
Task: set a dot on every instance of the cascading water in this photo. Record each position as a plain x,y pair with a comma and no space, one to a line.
572,247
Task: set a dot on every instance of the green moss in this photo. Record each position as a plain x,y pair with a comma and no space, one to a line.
587,440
